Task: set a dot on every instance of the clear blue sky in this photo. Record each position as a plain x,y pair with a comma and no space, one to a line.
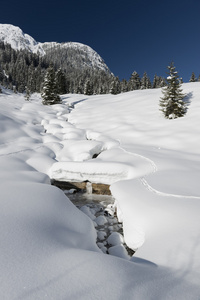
129,35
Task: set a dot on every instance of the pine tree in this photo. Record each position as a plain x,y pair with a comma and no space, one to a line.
124,86
172,104
155,82
88,90
145,82
115,86
60,81
134,82
27,94
193,78
181,80
31,80
49,93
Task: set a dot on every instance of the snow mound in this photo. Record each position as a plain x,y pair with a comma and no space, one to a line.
96,172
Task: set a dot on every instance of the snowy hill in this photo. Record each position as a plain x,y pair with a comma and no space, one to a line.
18,40
48,247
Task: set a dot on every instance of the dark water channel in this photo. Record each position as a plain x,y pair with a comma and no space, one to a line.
102,211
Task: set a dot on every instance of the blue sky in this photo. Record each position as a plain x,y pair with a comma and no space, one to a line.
129,35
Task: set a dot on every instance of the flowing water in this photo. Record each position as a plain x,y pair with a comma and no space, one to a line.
102,211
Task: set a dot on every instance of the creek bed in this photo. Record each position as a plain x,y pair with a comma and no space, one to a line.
102,211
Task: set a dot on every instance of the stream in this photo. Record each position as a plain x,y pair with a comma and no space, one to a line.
102,211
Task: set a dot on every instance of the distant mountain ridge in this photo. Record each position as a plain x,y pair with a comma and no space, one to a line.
13,35
24,63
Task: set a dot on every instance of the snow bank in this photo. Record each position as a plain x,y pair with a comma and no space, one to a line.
99,172
166,227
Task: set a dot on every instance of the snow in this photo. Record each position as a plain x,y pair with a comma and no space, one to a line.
118,250
97,172
14,36
115,239
48,246
100,220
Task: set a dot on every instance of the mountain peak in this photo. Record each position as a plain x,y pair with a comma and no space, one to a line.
18,40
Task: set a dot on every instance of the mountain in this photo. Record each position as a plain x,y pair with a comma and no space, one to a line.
83,54
18,40
90,57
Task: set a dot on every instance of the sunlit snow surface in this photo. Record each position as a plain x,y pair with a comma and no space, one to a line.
48,248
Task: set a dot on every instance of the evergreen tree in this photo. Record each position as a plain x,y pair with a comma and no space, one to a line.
1,75
101,91
158,82
88,90
162,82
198,78
193,78
31,80
60,81
115,86
134,82
27,94
124,86
155,82
145,82
181,80
49,93
172,104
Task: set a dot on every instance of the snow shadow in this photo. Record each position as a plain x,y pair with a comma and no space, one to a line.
187,98
76,102
139,260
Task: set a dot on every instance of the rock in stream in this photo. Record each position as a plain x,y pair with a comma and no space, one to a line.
102,211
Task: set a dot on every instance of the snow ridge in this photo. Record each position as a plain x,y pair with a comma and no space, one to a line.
18,40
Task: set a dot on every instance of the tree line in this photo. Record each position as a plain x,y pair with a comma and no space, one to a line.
172,104
53,75
25,71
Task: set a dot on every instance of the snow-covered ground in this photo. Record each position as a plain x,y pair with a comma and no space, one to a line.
48,248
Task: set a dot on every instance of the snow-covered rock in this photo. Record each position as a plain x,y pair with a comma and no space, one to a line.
115,239
101,220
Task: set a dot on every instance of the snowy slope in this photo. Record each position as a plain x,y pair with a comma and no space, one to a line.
48,247
87,52
18,40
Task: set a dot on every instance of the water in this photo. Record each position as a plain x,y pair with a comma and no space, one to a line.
102,211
